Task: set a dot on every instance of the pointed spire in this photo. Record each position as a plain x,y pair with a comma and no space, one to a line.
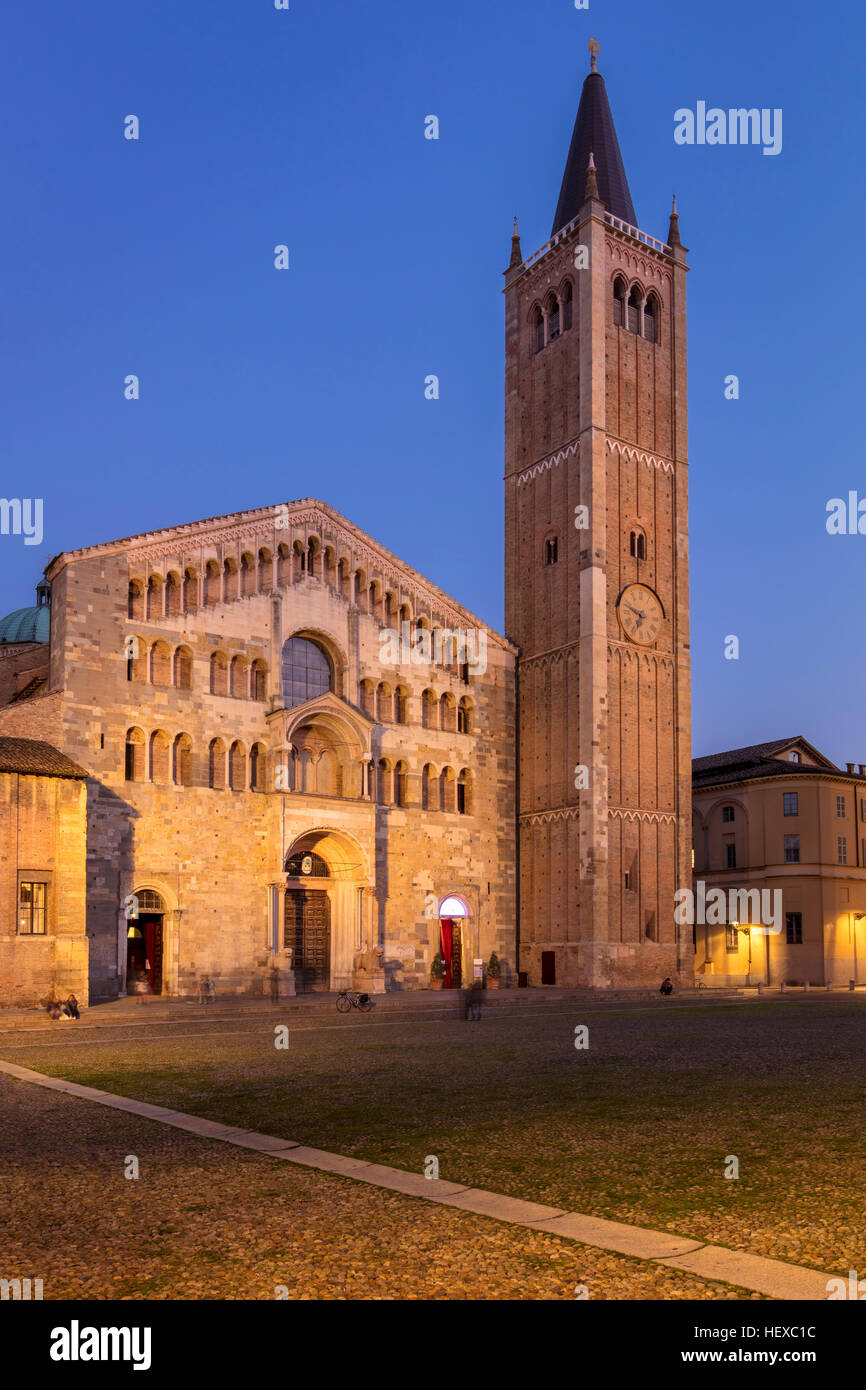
516,253
674,229
591,179
594,130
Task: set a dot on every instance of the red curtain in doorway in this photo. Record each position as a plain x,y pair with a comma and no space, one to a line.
445,935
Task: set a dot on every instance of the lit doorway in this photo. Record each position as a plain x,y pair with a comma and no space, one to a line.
452,920
144,944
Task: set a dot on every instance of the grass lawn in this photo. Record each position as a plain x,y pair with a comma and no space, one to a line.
639,1127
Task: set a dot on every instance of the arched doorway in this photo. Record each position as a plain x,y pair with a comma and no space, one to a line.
453,913
145,942
308,919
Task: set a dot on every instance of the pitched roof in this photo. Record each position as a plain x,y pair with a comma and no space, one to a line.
759,760
35,758
594,133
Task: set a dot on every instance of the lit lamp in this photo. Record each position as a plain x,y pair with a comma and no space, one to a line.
134,933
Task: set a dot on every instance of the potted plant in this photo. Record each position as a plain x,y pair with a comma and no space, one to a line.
494,970
437,971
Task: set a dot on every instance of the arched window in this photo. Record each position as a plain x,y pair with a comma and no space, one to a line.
247,575
448,713
464,716
329,567
447,790
637,544
217,765
230,580
219,681
306,671
136,659
237,767
160,664
384,704
159,749
284,565
401,705
312,566
343,578
134,755
567,305
238,678
183,761
651,320
135,604
538,329
551,550
211,583
619,302
258,681
257,767
633,324
552,318
464,793
300,561
266,570
183,668
190,590
429,710
429,788
172,595
307,864
383,782
154,597
401,784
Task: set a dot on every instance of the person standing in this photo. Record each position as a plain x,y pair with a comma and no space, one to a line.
275,984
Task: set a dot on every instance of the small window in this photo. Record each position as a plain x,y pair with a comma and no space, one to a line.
791,803
618,303
732,939
727,813
794,928
538,334
31,909
841,811
730,856
794,757
637,545
553,321
634,311
567,307
551,548
792,849
650,320
841,849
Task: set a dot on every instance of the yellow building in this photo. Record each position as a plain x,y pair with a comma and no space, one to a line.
782,824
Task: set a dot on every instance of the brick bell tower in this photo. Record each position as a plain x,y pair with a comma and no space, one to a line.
596,578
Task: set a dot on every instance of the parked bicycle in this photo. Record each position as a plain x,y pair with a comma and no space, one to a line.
349,999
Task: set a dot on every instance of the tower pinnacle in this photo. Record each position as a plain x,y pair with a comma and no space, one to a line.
594,131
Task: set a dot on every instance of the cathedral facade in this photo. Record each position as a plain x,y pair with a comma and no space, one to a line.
307,767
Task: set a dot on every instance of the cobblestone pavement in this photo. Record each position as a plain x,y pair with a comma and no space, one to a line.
204,1222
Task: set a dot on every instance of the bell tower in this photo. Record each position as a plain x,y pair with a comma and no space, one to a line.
596,577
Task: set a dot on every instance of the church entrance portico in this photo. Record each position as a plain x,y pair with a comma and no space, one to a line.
327,904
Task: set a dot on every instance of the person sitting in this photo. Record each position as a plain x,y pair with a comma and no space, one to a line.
72,1006
666,987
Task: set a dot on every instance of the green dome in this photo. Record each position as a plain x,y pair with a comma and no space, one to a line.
26,624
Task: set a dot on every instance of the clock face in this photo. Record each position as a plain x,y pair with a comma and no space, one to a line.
640,614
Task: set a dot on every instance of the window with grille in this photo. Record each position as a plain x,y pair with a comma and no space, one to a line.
792,849
794,928
727,813
730,855
841,811
551,551
841,849
32,908
732,939
791,803
306,671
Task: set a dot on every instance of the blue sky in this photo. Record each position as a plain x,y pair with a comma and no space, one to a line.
306,127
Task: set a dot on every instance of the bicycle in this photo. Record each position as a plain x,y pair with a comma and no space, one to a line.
349,999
